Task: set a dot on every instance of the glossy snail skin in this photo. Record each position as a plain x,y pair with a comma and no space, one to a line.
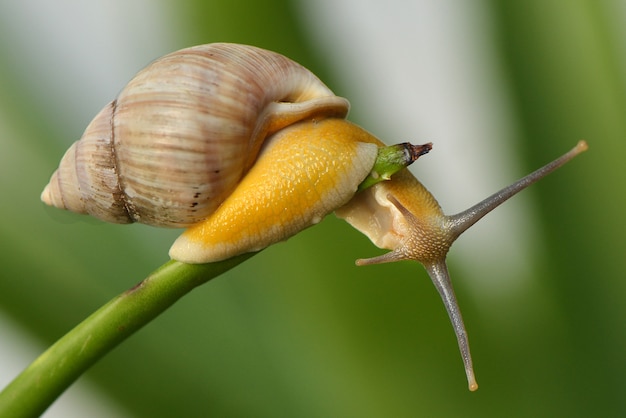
247,148
289,188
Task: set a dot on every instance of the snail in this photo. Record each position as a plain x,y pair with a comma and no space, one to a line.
244,148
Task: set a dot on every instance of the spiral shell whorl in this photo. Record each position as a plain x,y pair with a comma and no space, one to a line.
86,180
183,132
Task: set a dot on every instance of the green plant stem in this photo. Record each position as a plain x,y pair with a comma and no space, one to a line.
30,393
392,159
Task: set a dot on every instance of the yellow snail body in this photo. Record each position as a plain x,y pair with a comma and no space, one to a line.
288,189
247,148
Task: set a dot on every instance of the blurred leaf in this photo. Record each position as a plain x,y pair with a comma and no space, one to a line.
298,330
568,83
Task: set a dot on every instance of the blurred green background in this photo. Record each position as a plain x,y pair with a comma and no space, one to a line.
299,331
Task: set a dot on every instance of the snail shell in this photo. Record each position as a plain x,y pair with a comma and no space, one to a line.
180,136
